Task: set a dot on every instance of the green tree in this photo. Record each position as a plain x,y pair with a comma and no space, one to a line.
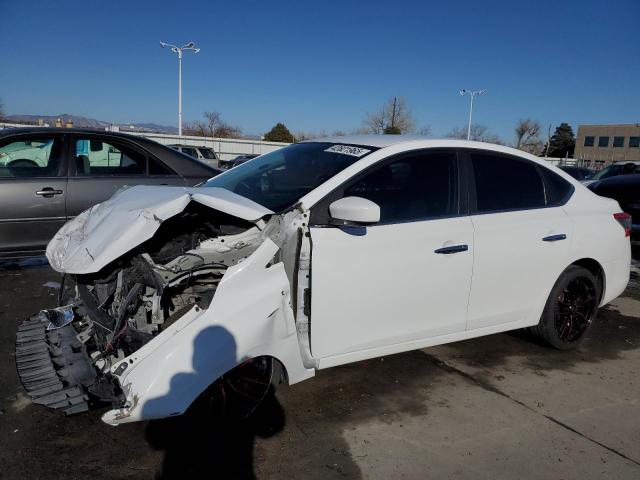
563,142
392,130
279,133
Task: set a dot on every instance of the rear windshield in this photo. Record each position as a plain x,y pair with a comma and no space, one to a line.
277,180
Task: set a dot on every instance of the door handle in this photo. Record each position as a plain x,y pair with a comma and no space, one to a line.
555,238
48,192
452,249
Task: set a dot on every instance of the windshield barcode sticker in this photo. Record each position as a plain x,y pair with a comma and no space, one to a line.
348,150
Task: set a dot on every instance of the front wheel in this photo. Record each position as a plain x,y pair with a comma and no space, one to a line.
570,309
240,391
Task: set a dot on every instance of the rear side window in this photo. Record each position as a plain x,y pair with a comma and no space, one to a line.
557,189
419,186
95,157
505,183
190,151
157,168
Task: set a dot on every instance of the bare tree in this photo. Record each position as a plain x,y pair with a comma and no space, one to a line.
479,133
393,117
212,126
376,122
426,130
197,128
1,110
528,136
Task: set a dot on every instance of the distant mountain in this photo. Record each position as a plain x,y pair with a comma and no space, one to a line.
85,122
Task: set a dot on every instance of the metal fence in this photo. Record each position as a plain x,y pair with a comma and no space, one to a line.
225,148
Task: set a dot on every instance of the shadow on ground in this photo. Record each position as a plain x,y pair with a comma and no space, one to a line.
611,334
198,445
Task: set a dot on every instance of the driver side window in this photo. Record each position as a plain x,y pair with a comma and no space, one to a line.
415,187
30,157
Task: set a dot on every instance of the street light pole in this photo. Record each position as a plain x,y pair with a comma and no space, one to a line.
180,92
472,94
179,50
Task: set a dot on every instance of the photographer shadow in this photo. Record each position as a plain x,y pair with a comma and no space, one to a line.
204,442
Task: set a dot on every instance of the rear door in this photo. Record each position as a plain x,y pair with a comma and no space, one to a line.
101,165
521,237
33,189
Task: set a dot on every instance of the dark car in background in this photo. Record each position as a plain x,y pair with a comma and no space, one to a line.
50,175
239,160
614,170
626,190
579,173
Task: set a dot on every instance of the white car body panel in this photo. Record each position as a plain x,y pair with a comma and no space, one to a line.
165,375
106,231
374,290
509,245
391,286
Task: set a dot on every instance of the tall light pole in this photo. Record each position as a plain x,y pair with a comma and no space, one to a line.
189,46
472,94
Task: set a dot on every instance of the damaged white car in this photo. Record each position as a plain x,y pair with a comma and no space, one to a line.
319,254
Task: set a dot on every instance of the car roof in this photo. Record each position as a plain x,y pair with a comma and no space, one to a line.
382,141
23,130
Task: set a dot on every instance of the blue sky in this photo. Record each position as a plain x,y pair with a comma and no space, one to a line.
320,65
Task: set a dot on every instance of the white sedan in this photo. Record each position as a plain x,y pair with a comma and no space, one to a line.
319,254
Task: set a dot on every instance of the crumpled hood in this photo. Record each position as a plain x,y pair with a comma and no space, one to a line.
106,231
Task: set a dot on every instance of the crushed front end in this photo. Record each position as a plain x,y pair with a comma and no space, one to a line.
134,307
54,366
112,313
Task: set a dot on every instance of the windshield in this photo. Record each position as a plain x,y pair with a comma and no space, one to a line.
277,180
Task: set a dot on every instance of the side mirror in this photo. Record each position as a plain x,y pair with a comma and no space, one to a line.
355,210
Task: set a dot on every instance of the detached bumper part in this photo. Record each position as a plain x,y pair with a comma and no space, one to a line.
53,365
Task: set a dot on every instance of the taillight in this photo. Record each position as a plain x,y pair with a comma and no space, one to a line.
624,219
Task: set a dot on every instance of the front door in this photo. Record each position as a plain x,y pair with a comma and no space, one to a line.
386,287
33,190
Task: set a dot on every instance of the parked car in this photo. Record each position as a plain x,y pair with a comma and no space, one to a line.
239,160
49,175
205,154
579,173
319,254
615,169
626,190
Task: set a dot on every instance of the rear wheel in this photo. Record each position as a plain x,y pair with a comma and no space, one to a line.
570,309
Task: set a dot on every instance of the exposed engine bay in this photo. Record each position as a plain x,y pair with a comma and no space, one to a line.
126,304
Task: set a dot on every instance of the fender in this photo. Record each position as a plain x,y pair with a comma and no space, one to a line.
249,316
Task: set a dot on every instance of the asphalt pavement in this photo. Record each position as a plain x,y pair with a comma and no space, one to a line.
501,406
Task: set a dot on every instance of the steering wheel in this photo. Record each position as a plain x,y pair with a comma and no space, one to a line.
22,162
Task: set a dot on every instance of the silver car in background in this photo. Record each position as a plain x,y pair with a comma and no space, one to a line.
50,175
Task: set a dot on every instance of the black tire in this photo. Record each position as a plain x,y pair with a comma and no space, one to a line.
570,309
239,392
